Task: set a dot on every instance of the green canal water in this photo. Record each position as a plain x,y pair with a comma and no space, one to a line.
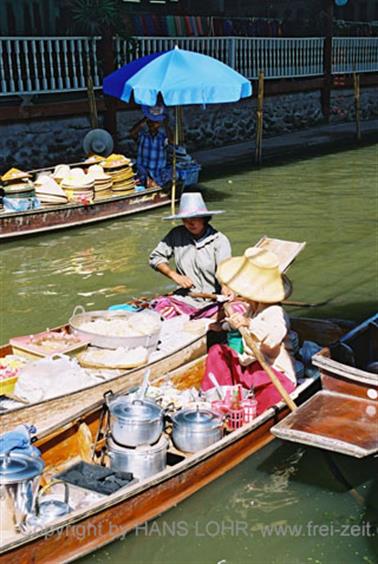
331,202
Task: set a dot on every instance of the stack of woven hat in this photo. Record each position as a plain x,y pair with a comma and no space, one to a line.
78,186
49,191
122,174
102,181
16,184
19,193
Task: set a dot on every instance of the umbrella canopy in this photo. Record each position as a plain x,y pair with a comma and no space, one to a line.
181,77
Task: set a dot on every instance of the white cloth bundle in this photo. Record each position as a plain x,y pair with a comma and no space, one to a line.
50,377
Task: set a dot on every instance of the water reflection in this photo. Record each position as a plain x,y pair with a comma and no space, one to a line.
326,201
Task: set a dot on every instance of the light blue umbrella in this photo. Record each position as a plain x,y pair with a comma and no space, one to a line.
181,78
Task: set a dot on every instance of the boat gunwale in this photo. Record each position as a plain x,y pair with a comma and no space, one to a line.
321,360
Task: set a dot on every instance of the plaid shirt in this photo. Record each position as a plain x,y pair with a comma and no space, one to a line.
152,152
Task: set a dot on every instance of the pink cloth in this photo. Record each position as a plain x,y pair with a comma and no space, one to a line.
224,363
169,306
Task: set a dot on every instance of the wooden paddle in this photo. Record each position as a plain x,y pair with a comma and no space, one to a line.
215,297
251,342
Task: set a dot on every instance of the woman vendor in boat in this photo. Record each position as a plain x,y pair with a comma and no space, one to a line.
153,135
197,249
256,278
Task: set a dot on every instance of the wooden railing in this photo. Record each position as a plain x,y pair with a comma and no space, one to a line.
30,65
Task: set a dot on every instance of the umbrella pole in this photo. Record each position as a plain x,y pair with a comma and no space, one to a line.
173,195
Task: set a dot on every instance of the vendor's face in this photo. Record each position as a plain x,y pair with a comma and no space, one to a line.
196,225
153,126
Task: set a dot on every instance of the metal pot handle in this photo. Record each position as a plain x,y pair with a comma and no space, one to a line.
47,487
137,402
170,408
108,396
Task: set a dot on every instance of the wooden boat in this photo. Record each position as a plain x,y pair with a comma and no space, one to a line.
343,416
112,516
31,222
50,411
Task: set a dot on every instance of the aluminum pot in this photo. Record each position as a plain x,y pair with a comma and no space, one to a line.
195,429
135,422
143,461
19,482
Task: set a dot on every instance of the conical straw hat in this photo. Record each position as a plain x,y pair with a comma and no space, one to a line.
255,276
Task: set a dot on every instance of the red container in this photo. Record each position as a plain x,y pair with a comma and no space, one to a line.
235,419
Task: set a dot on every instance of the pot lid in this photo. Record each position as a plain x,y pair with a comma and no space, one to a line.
137,410
17,467
197,417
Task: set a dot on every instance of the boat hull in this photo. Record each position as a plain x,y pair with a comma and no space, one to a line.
73,215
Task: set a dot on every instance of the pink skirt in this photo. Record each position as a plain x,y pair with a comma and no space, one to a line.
224,363
169,306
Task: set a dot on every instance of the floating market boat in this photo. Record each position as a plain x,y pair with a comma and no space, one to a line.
31,222
106,191
78,439
343,416
49,411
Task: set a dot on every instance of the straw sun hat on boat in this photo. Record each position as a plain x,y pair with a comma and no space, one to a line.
255,276
14,174
61,171
115,161
97,172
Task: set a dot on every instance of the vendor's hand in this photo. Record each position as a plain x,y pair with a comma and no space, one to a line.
237,320
217,327
183,281
225,290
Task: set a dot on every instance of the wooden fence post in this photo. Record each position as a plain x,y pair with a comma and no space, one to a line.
357,104
108,63
259,118
327,58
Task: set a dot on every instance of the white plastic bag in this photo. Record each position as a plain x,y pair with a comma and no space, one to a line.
51,377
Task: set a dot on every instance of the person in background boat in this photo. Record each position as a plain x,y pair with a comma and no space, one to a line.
197,249
256,278
153,135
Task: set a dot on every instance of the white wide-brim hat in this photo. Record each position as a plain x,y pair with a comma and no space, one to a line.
97,173
255,276
192,205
